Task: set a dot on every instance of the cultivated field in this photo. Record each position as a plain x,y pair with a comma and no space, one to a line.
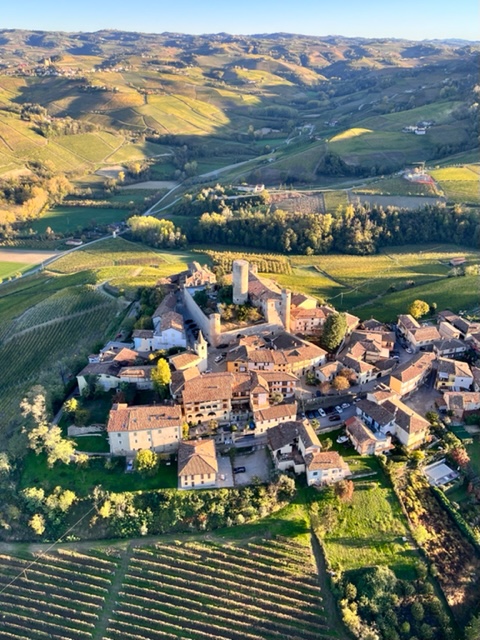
260,590
460,184
66,219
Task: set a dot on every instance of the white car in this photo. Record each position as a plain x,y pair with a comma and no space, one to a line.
322,413
342,439
338,409
218,359
408,350
345,405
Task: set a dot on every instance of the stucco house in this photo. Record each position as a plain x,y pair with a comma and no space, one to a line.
415,334
453,375
197,464
412,374
157,427
366,441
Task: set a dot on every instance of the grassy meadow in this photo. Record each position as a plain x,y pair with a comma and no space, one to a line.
64,219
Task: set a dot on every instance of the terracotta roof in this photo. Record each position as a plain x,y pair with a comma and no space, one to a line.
359,431
197,458
453,367
452,344
143,333
299,312
124,418
171,320
426,333
352,321
286,433
98,368
325,460
180,377
278,376
359,366
136,372
210,386
262,288
408,322
126,355
414,368
461,399
275,412
184,360
406,418
300,298
167,304
372,324
378,412
329,368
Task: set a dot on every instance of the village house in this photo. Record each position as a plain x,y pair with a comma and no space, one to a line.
383,411
453,375
449,348
466,328
327,372
418,336
295,445
197,464
409,376
157,427
363,371
462,402
106,369
198,358
364,440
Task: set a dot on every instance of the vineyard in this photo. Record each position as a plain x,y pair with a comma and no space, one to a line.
265,263
264,590
61,595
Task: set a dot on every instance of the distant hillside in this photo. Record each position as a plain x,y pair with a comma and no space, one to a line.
138,96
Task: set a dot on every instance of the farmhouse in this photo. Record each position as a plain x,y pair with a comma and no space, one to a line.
106,369
130,429
197,464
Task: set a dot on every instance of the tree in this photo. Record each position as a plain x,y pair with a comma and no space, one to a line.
34,497
340,383
310,378
5,465
327,444
37,523
146,462
417,611
185,431
161,377
49,439
277,397
34,404
60,500
71,405
472,632
334,331
418,308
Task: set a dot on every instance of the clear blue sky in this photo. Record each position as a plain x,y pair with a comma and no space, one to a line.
413,19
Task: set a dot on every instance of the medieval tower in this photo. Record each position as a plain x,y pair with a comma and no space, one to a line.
240,281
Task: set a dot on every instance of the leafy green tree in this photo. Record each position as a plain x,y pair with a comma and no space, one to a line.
417,611
60,500
34,497
185,430
49,439
146,462
334,331
5,464
418,308
37,524
277,397
472,632
161,377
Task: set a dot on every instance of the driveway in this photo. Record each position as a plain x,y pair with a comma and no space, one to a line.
224,471
257,464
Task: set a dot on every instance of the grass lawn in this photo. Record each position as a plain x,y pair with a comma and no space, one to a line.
82,480
474,453
69,219
367,531
8,269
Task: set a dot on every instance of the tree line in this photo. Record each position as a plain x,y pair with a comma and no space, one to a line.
360,230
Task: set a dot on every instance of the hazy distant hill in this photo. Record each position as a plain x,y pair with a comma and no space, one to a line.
332,95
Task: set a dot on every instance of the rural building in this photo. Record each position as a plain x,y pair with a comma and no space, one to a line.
364,440
453,375
415,334
449,348
158,428
325,467
462,402
327,372
412,374
106,368
197,464
456,262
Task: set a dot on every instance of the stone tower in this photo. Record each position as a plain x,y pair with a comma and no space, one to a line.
201,349
240,281
286,304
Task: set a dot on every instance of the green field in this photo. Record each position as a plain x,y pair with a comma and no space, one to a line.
460,184
9,269
363,284
66,219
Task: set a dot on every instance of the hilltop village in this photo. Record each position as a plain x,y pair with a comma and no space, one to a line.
260,384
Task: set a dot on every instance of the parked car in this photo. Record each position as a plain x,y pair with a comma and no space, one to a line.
334,418
129,465
408,350
322,413
218,359
356,400
345,405
338,409
239,470
342,439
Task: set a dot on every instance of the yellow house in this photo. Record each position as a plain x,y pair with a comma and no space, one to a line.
197,464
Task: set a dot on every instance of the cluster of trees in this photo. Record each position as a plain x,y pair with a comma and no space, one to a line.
164,511
376,605
47,510
155,232
359,229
